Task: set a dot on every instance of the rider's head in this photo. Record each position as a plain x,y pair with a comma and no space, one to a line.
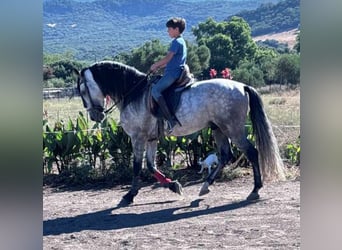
176,22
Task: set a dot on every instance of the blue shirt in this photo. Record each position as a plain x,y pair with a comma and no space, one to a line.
174,66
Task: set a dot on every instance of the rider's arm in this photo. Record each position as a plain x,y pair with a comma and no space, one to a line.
162,62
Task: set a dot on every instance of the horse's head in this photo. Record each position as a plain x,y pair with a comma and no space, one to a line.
92,97
121,82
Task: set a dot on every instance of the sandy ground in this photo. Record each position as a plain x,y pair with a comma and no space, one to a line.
160,219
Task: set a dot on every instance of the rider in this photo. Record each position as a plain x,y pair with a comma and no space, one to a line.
173,62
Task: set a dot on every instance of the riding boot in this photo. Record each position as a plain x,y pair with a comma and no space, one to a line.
171,119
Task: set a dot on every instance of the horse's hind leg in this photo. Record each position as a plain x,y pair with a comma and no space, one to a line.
252,155
151,149
225,155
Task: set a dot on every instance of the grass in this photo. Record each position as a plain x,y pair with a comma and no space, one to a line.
282,107
64,109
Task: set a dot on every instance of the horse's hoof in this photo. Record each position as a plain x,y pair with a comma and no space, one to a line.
205,189
124,203
253,196
176,187
126,200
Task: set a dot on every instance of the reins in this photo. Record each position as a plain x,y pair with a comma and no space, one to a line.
129,92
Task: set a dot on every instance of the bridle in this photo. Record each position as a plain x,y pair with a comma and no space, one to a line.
99,108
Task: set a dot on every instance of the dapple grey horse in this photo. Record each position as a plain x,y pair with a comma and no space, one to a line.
220,103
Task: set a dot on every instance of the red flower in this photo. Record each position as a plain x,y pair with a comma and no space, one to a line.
226,73
212,73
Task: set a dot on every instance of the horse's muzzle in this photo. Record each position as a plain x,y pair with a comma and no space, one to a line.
96,115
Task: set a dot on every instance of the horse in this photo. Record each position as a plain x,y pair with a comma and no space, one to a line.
222,104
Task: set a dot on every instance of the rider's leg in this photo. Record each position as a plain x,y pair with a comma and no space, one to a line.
157,89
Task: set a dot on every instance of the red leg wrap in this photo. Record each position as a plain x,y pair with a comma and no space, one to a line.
161,178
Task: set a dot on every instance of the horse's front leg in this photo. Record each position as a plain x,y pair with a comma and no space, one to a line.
138,151
151,149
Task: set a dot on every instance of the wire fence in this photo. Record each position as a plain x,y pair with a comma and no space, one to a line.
63,109
52,93
285,134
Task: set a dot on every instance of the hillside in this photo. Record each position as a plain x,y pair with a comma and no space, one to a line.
95,29
273,18
286,37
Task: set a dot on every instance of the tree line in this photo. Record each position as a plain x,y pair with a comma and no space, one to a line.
218,45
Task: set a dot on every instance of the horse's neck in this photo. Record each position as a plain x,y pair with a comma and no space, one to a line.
137,114
137,102
127,90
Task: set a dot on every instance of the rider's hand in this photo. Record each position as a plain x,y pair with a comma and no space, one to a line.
153,68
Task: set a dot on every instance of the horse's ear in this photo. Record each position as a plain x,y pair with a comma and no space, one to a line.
75,71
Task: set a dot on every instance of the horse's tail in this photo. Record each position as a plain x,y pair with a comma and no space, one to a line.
272,166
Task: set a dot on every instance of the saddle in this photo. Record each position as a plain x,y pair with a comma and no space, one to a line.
185,77
172,94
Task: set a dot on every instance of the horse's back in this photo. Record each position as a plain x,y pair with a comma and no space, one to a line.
227,83
216,94
216,101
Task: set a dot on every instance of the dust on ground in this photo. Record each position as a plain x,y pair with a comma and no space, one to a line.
160,219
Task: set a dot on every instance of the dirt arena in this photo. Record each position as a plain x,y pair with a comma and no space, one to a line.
160,219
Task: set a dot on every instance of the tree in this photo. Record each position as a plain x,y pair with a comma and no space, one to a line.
197,58
266,60
47,73
54,83
53,58
229,42
243,45
248,72
288,69
63,69
296,47
58,69
221,51
144,56
207,29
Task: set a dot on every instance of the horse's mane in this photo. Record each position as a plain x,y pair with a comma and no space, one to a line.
121,82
